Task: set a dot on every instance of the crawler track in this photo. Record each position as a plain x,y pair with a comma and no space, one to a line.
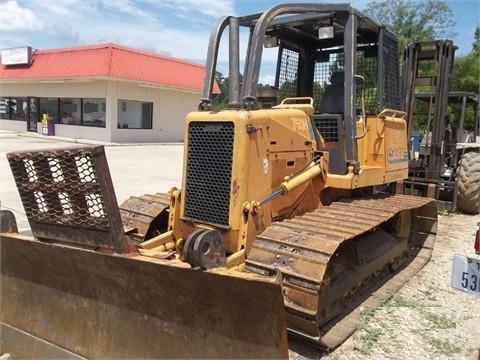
145,216
338,257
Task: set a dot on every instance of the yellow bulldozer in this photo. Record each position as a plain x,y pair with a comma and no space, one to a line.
277,228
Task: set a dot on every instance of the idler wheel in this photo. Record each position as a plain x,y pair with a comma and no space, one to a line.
205,249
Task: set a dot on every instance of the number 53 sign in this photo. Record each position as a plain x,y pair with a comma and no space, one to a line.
466,274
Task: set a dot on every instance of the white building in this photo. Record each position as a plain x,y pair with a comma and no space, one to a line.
102,92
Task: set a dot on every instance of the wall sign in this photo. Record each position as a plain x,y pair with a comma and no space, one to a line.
17,56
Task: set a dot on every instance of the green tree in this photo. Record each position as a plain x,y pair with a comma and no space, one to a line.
476,44
466,77
466,73
413,20
288,89
220,101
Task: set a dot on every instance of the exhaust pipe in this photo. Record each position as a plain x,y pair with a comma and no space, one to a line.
234,64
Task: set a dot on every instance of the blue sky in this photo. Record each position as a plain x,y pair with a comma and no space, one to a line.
178,28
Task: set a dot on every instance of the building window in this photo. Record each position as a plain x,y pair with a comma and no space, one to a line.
134,114
50,107
33,108
94,112
4,113
67,111
17,108
33,114
71,111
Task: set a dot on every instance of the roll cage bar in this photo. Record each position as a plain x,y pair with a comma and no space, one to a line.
274,20
297,24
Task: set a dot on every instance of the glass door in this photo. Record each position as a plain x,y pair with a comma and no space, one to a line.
32,118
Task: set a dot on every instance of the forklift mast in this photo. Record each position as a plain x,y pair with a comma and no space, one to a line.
428,68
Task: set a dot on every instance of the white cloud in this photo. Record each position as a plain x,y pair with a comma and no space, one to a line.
196,10
131,8
65,8
179,43
136,23
14,18
64,31
180,28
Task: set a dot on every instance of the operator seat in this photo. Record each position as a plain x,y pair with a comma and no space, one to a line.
333,98
329,123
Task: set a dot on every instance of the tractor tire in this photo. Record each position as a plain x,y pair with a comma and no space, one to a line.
468,183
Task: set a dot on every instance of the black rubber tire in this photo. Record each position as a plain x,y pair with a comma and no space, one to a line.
468,183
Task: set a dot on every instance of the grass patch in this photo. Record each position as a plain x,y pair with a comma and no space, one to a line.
443,347
366,315
400,301
370,332
369,339
439,321
369,335
394,342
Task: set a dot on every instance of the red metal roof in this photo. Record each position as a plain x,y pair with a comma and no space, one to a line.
109,60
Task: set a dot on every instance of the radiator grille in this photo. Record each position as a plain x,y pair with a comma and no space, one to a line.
328,128
209,171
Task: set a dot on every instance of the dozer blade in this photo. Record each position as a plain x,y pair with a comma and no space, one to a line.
58,301
82,292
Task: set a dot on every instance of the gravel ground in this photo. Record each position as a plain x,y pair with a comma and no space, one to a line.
427,318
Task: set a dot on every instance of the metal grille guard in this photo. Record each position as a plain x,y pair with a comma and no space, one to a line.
68,196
